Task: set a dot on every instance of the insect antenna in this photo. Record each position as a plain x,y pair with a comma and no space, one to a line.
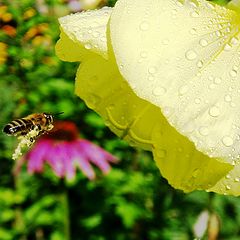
58,113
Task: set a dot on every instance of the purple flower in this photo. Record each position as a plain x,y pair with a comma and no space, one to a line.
64,152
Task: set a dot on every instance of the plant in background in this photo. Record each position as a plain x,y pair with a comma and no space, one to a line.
164,76
79,5
133,200
64,152
3,52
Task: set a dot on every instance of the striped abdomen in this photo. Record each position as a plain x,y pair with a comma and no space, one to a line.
22,126
19,127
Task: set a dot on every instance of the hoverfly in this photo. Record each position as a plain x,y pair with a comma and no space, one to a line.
29,128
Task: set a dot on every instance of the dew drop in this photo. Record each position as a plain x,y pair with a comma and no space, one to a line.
228,176
191,55
214,111
203,131
227,47
159,91
183,89
200,64
235,67
152,70
143,54
228,98
217,80
193,31
203,42
234,41
228,187
233,73
227,141
236,179
197,100
144,26
88,46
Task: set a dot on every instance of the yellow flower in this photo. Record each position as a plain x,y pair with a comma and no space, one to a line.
165,77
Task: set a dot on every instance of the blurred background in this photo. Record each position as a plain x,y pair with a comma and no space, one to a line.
129,202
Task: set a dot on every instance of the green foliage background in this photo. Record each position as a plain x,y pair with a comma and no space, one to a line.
133,202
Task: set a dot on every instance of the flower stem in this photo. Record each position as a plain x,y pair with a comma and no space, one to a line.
19,224
66,219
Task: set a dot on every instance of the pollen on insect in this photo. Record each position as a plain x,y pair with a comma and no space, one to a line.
27,141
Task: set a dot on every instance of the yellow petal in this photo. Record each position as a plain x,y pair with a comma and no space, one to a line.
101,86
230,184
86,30
183,56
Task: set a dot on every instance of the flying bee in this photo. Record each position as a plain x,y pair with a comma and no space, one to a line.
27,129
42,122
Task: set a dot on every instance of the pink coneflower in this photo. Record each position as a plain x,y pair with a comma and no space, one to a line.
64,151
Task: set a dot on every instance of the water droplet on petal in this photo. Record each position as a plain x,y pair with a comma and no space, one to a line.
228,187
227,141
193,31
236,179
152,70
143,54
191,55
203,131
203,42
217,80
200,64
88,46
183,89
214,111
233,73
228,98
197,100
228,176
159,91
227,47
